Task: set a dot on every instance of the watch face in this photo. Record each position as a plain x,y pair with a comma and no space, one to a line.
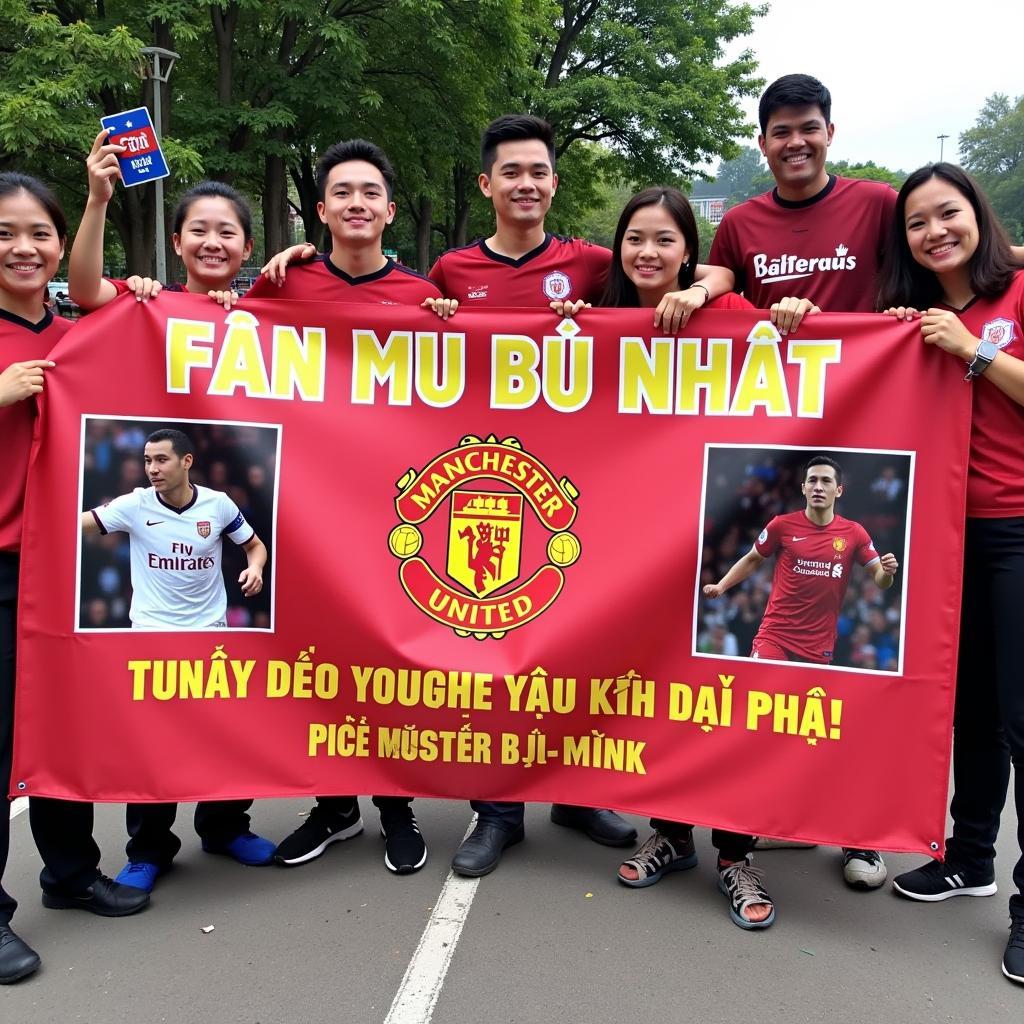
987,351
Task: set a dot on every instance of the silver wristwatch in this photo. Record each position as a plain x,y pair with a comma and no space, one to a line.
983,356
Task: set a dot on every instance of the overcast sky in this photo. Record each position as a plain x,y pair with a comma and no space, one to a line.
900,72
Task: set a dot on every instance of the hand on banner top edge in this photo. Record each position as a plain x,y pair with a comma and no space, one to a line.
788,313
444,308
143,288
568,307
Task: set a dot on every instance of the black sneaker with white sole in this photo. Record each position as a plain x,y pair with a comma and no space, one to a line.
316,833
936,881
1013,958
404,848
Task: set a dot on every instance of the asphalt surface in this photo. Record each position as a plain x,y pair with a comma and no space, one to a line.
330,941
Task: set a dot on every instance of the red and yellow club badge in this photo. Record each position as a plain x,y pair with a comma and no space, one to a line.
839,543
492,492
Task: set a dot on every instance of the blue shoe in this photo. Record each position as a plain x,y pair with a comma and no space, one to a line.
247,848
139,874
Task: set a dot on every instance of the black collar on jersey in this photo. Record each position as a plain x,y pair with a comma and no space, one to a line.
366,278
20,321
962,309
800,204
185,507
507,260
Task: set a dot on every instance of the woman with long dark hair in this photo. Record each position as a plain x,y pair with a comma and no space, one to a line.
950,265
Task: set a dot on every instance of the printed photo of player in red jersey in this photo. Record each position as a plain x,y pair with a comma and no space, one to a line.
796,594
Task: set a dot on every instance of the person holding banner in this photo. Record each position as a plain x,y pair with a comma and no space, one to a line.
654,253
950,265
33,232
212,233
356,182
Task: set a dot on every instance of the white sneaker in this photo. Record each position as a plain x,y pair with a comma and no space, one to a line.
863,869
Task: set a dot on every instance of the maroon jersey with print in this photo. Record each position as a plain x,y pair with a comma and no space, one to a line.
321,279
19,342
812,571
559,268
995,473
827,248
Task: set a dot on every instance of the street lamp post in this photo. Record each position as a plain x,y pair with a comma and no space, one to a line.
942,145
160,63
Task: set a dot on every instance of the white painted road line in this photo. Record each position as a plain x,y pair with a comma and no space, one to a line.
417,994
18,804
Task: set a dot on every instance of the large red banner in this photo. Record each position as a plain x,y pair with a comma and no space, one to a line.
488,540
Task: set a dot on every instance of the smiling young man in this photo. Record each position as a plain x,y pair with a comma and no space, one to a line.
176,530
818,229
814,549
522,263
356,183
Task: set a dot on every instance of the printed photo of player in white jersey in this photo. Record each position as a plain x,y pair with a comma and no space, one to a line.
182,574
801,556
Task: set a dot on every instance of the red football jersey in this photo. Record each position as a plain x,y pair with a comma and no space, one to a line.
20,341
321,279
559,268
995,474
812,571
827,249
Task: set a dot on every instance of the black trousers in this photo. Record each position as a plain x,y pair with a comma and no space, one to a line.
150,838
988,724
62,829
731,846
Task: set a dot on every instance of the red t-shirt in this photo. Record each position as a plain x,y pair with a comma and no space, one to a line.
995,473
20,341
812,571
827,249
321,279
559,268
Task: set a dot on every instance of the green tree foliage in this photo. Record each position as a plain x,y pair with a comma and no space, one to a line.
743,176
869,170
993,151
639,92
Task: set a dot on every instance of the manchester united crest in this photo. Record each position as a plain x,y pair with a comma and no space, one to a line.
839,543
499,502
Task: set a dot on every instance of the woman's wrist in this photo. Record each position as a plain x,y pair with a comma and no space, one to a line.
707,294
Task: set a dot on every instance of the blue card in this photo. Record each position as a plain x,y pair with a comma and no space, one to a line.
142,160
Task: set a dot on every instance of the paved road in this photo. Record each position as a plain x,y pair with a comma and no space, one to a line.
332,941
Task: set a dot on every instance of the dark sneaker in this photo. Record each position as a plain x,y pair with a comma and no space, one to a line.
742,884
658,855
1013,958
935,881
104,897
139,874
863,869
404,848
315,834
247,848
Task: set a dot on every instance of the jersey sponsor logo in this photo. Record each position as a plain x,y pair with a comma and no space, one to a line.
839,544
203,528
483,593
1000,332
477,291
837,571
797,539
557,285
812,567
787,267
154,522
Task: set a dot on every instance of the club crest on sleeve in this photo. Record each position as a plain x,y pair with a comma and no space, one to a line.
557,285
491,531
203,528
1000,332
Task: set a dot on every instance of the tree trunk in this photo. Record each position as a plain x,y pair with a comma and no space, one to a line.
424,220
275,206
303,176
462,179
